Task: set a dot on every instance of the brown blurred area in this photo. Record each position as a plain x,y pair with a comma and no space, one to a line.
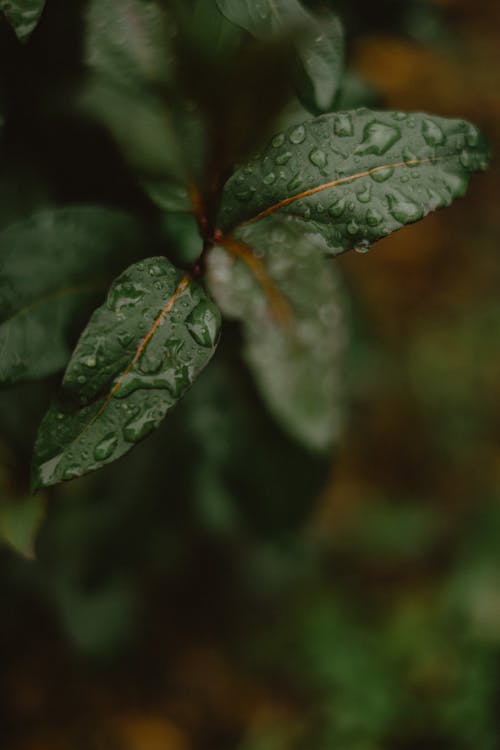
432,276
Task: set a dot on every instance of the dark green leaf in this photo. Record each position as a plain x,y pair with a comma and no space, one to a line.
23,15
52,267
296,363
357,176
128,42
128,50
318,41
19,523
138,355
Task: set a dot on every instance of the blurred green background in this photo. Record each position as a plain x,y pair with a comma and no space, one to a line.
219,587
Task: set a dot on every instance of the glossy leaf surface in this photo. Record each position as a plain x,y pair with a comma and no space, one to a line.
140,352
52,267
23,15
318,41
297,363
357,176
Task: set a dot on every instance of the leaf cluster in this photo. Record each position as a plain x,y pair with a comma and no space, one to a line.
227,115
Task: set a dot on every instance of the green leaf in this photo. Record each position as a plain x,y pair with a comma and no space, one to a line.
128,42
20,521
318,40
296,363
142,349
128,51
356,176
23,15
52,268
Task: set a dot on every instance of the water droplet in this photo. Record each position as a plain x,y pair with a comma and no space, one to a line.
105,448
298,135
243,195
373,217
432,133
203,324
473,136
466,159
278,140
363,246
90,360
152,359
378,138
283,158
409,157
318,158
124,294
352,228
381,175
364,194
343,125
125,338
337,208
269,178
404,210
139,426
71,472
295,182
155,270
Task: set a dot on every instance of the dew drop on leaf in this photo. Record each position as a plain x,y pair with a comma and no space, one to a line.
318,158
104,449
124,294
343,125
337,208
381,175
269,178
352,228
298,134
203,324
378,138
403,210
432,133
363,246
283,158
140,426
364,194
278,140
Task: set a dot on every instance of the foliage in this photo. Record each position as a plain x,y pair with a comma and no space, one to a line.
166,161
350,177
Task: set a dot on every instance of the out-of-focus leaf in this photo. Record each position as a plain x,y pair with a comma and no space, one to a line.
297,362
357,176
19,523
128,42
23,15
129,52
318,40
52,268
138,355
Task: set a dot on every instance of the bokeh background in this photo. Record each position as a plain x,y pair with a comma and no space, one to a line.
221,588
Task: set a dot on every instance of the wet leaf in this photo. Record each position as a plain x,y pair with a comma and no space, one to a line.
356,176
23,15
318,40
20,521
52,268
296,363
142,349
